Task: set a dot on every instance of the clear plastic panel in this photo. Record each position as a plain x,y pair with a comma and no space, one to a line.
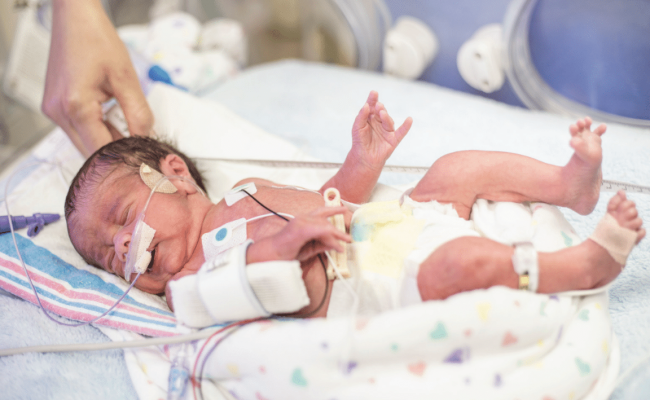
526,80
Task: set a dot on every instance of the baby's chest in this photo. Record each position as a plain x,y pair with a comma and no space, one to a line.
270,209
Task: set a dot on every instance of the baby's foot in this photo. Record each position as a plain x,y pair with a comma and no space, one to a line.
610,243
625,213
582,173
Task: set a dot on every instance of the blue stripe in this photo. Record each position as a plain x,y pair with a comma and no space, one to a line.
48,263
90,307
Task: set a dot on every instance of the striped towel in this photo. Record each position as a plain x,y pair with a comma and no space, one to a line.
74,293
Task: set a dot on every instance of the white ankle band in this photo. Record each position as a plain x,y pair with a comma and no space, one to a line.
524,261
618,241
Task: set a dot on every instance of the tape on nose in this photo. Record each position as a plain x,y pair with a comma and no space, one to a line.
150,177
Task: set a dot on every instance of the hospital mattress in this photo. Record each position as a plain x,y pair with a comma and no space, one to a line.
310,109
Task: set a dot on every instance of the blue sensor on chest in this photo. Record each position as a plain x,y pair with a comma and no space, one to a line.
223,238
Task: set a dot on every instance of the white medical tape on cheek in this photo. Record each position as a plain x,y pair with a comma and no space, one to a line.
150,177
138,258
618,241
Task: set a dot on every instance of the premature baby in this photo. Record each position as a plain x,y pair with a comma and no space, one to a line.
108,193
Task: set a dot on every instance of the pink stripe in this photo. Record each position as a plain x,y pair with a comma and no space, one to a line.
47,281
65,312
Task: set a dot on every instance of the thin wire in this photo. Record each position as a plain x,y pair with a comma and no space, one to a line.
327,282
265,207
61,348
20,257
198,380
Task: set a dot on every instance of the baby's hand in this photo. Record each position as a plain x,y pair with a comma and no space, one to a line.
307,235
374,137
304,237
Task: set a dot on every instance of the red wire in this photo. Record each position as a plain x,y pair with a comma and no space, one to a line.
193,380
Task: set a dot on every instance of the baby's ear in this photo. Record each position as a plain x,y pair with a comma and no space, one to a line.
173,164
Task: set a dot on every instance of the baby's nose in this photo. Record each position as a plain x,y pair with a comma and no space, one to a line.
121,242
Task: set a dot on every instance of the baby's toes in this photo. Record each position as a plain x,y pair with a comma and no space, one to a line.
631,212
602,128
635,224
578,144
615,201
640,235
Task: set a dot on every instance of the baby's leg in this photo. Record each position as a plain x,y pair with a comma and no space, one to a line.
470,263
463,177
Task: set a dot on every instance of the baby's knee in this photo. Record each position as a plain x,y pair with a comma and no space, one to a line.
459,265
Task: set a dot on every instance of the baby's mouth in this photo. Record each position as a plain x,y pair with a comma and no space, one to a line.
153,255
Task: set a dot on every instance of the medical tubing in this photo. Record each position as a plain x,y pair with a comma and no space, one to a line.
64,348
347,352
136,230
29,279
196,379
284,217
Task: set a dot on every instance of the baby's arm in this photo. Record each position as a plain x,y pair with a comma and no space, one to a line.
374,139
304,237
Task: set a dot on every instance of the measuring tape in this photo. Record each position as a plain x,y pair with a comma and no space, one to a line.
606,186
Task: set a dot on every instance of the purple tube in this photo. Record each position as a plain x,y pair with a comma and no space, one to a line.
34,223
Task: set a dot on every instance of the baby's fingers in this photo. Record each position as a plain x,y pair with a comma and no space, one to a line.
362,118
372,99
404,129
386,121
326,211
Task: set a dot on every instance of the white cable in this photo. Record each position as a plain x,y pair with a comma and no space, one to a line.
20,257
347,351
269,215
61,348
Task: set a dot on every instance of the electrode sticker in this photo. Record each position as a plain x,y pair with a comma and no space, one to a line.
223,238
238,193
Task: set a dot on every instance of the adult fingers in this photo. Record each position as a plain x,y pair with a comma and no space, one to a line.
87,121
127,91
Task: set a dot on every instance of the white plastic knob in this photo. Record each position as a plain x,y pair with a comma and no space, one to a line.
479,59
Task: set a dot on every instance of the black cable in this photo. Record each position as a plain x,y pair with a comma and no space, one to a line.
327,281
265,207
327,286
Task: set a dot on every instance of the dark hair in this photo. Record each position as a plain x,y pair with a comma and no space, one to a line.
130,152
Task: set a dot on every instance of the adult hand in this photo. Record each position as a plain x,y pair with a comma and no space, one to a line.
88,65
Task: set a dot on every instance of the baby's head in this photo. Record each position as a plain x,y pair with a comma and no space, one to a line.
108,193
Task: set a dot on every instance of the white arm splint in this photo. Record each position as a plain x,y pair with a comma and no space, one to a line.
226,289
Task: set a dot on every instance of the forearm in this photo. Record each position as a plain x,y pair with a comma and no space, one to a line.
69,11
355,180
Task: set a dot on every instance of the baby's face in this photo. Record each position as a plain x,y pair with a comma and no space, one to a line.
102,226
